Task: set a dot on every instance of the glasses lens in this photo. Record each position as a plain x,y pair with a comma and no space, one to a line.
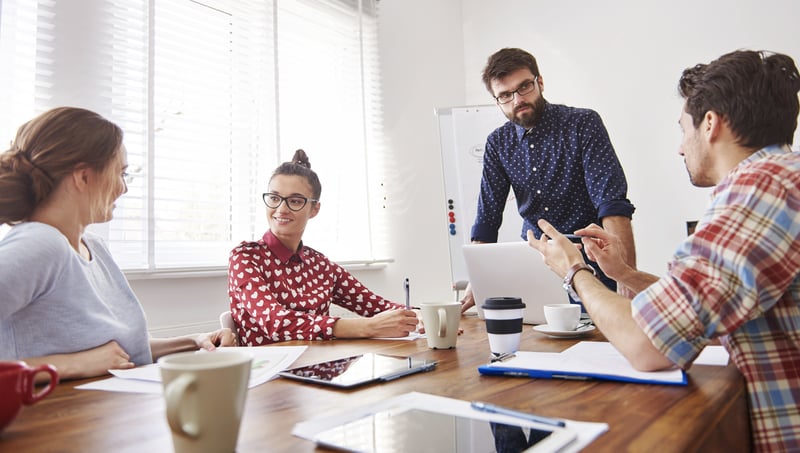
525,88
522,90
296,203
272,201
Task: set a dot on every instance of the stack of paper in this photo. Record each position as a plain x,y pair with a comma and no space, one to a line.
267,362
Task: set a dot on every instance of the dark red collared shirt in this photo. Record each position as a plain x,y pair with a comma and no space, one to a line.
279,295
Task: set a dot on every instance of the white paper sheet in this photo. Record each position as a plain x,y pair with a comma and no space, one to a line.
603,358
586,358
712,355
268,361
586,431
411,336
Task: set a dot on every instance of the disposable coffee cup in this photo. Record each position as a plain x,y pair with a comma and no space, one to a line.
503,323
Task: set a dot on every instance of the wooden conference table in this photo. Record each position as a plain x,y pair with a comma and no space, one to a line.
710,414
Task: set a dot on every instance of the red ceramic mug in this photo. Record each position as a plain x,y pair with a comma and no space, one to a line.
17,388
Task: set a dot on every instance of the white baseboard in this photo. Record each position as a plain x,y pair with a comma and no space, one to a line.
207,326
184,329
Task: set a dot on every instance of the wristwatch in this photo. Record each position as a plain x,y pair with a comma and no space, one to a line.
571,275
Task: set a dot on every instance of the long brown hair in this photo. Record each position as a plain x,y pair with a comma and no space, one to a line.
45,150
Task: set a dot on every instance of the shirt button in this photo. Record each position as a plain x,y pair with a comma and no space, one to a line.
533,169
531,145
538,192
546,208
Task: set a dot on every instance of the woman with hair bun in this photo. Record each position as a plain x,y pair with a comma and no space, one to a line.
281,289
64,300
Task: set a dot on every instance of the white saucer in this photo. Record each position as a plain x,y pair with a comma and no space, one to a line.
545,329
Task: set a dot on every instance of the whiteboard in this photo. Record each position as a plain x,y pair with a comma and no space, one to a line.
462,135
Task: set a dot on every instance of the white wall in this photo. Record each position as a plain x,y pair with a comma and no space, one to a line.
621,58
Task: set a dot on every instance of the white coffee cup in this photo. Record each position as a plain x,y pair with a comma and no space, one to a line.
205,394
441,321
562,317
503,323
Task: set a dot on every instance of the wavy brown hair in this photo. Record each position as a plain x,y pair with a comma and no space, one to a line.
755,92
48,148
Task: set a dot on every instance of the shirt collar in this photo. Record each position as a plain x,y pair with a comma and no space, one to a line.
765,152
281,251
521,131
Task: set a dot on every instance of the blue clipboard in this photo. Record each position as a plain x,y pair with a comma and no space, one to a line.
494,370
582,361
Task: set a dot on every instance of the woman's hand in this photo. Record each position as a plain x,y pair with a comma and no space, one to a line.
392,323
211,340
89,363
387,324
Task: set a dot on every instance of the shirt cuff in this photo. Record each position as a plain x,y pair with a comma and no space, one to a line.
623,208
483,233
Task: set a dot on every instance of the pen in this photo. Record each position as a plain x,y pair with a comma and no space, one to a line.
407,288
491,408
574,238
502,357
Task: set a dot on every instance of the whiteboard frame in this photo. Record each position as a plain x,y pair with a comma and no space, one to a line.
462,134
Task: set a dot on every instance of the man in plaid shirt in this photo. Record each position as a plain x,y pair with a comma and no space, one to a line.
737,278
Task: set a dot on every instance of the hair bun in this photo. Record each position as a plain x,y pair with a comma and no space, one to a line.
300,158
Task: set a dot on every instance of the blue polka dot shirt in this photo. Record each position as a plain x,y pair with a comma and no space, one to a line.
564,170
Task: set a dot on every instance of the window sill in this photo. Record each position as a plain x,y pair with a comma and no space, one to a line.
204,272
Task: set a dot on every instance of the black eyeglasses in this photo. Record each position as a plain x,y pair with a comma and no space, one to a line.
293,202
525,88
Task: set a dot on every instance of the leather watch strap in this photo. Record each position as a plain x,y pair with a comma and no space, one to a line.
571,275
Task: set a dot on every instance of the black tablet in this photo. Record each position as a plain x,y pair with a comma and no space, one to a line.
359,369
417,430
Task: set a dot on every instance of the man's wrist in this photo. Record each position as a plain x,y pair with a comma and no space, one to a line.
570,276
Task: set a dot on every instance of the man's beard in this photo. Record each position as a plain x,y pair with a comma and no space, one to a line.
530,118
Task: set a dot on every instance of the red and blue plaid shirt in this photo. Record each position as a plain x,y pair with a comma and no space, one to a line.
738,278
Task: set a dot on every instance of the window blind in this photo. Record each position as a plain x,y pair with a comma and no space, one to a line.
326,53
212,95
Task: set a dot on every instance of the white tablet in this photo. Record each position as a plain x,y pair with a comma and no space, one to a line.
359,369
417,430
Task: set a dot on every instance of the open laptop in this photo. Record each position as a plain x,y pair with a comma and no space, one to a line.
513,269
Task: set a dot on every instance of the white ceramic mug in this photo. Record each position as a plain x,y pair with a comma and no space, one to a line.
562,317
205,394
503,323
441,321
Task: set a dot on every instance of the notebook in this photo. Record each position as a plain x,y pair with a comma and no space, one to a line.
513,269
